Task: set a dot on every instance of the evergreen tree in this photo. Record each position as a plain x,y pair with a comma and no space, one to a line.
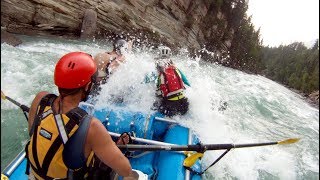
294,65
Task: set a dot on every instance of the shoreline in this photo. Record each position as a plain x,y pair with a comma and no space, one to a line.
312,99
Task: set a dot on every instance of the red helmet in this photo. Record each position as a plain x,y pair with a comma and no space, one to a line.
74,70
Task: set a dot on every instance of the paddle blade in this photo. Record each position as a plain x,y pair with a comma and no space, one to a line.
189,161
289,141
3,96
4,177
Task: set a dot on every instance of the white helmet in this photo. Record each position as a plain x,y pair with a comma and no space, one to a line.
164,52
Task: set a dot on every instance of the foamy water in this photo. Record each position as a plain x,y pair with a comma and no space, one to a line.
258,109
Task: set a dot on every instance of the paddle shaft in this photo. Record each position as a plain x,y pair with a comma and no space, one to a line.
23,107
142,140
198,148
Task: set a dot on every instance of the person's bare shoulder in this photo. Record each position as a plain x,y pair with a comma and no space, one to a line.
97,130
100,55
42,94
102,59
38,97
96,124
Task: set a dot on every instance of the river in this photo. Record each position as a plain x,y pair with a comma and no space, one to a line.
258,109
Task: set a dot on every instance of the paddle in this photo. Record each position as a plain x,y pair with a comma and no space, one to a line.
200,147
23,107
192,158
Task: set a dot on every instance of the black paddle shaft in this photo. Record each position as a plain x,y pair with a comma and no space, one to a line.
197,147
23,107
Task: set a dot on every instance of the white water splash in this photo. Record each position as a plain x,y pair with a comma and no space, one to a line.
258,110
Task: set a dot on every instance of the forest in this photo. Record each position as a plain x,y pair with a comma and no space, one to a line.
293,65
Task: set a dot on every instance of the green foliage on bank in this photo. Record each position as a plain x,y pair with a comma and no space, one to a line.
231,36
294,65
245,51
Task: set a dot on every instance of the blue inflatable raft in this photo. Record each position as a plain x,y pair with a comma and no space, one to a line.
147,129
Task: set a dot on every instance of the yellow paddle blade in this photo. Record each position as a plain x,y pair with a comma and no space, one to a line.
3,96
3,177
189,161
289,141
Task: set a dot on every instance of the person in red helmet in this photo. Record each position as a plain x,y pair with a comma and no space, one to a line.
64,139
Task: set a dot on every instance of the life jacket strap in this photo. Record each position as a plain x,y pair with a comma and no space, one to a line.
60,127
174,93
47,99
40,174
176,98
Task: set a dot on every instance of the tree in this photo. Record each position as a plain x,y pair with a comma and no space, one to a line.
294,65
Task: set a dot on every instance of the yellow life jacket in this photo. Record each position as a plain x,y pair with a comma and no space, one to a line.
56,146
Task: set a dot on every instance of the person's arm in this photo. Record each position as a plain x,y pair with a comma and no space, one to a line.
34,107
184,78
106,150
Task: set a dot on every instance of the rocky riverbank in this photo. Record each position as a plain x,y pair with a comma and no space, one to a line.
9,38
312,98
